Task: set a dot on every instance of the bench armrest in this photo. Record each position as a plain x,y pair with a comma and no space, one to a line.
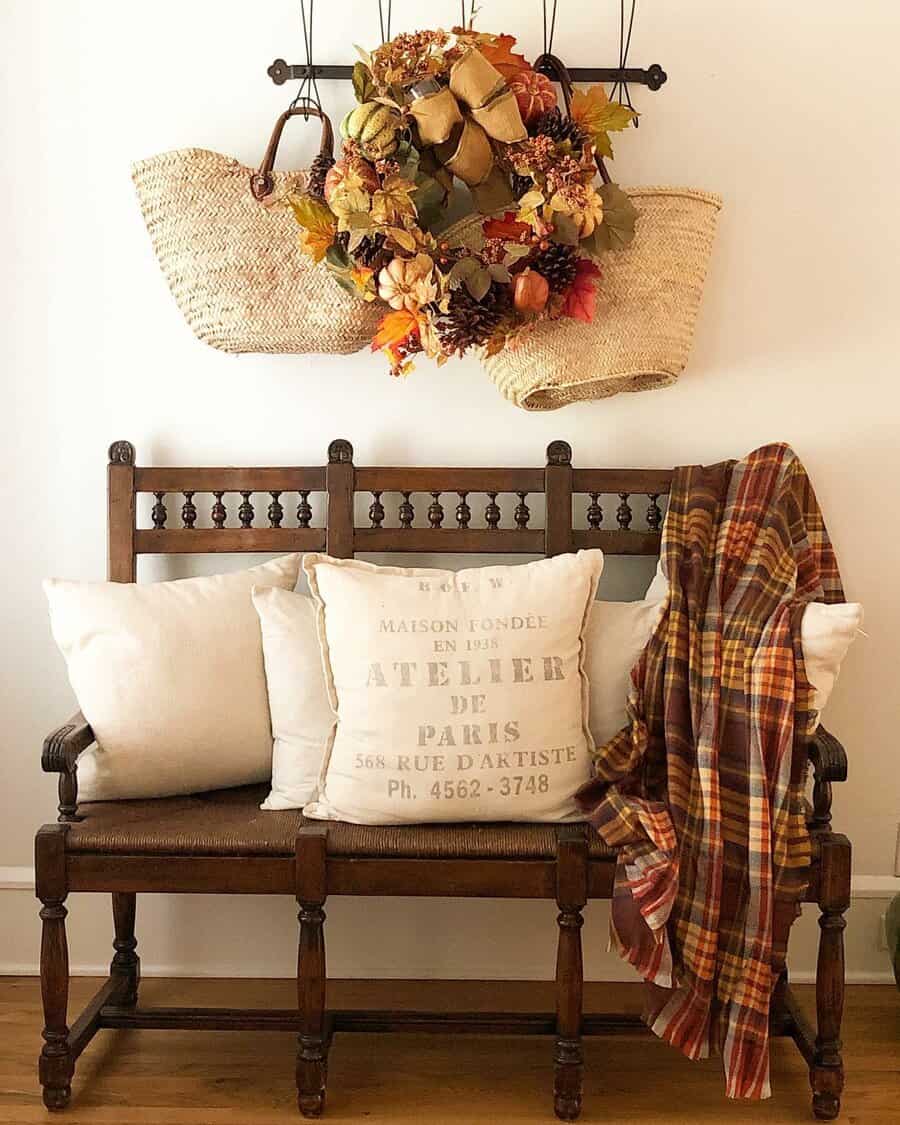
829,762
59,755
62,746
828,757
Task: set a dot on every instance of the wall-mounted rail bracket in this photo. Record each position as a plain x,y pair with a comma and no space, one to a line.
653,77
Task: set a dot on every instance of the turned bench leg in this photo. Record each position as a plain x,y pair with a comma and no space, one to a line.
571,896
125,963
313,1041
826,1074
56,1065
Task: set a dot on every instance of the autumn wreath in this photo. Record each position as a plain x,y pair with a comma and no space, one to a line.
437,107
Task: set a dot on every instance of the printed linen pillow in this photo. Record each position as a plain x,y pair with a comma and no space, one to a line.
298,700
826,633
170,676
459,695
302,716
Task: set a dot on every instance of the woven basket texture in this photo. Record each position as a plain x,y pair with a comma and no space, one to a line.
234,265
647,306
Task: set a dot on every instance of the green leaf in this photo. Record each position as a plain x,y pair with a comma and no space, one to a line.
345,283
565,230
462,271
515,251
617,228
403,238
363,86
479,283
499,273
602,144
356,237
614,117
337,257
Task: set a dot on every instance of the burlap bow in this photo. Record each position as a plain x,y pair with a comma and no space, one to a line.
461,120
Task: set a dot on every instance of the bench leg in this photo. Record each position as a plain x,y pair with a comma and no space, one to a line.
56,1065
125,963
827,1071
571,896
313,1041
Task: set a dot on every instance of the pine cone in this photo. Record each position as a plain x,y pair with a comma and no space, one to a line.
369,251
558,264
318,170
559,128
469,323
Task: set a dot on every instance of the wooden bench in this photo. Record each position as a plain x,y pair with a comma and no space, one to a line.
221,843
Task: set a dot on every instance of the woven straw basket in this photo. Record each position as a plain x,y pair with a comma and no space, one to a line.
233,263
647,306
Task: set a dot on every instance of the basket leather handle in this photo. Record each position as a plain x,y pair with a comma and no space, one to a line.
262,182
556,70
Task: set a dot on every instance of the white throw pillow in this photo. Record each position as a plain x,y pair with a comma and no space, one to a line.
298,699
616,635
826,633
170,676
459,695
302,716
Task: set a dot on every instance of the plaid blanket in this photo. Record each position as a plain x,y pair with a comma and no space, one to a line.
704,791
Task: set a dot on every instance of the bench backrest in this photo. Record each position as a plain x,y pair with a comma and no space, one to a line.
315,509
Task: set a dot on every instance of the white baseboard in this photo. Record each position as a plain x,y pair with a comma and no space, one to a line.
232,936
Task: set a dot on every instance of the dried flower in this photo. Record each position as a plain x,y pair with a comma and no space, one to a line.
409,57
582,203
408,283
537,154
566,170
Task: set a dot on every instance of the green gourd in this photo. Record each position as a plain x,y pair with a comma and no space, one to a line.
376,129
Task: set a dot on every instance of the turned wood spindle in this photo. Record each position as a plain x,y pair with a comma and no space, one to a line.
275,511
522,514
304,510
595,512
492,512
218,513
654,513
406,512
624,513
158,515
245,511
376,510
435,510
463,511
188,511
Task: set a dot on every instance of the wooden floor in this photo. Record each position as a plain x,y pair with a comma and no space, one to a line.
231,1078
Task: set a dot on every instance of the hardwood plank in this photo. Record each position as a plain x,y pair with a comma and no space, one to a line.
228,540
415,479
612,481
197,1078
229,479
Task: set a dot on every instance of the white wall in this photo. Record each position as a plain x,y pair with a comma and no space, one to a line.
789,111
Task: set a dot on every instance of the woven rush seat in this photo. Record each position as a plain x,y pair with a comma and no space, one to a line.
230,822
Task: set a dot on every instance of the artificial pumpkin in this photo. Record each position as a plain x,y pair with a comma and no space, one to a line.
408,283
376,128
530,291
534,92
355,167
